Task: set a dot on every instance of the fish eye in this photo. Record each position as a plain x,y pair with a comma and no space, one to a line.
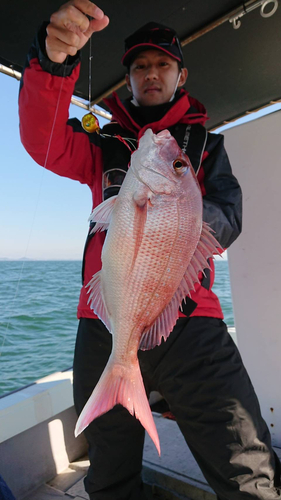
180,165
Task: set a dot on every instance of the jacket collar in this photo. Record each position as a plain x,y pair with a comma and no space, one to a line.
185,110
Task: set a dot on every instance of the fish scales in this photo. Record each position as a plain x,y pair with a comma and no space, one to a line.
137,280
154,227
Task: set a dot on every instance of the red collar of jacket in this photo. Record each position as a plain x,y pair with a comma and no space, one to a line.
185,110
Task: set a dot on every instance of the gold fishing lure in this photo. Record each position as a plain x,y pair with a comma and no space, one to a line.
90,123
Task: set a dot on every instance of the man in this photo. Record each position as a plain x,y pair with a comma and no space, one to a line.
198,370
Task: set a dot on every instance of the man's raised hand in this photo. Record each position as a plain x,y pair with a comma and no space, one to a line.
70,29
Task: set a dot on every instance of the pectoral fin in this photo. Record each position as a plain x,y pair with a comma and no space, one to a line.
101,215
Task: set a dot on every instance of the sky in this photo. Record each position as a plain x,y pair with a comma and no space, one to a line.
42,216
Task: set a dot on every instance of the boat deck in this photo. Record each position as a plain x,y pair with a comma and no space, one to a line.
174,475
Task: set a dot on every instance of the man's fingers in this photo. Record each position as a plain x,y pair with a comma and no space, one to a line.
55,45
70,15
70,28
96,25
69,37
89,8
76,11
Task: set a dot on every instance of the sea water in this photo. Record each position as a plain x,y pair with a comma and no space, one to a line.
38,324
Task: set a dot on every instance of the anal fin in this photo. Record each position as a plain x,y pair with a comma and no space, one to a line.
96,299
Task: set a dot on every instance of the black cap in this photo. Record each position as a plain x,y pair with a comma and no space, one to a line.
152,36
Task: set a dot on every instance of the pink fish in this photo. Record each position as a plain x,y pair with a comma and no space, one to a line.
155,247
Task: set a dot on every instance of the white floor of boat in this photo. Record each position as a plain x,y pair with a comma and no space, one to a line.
175,473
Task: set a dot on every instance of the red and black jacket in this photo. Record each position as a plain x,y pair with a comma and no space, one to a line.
45,93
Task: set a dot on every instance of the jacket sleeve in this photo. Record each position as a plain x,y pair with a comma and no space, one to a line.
222,196
53,141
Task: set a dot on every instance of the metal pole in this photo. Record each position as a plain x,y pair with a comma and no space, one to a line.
74,100
109,91
10,72
92,108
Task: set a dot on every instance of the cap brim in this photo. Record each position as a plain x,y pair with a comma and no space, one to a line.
134,51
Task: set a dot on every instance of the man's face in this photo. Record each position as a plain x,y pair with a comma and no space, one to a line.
153,77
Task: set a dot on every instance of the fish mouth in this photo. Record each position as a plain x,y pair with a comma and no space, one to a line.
162,136
160,140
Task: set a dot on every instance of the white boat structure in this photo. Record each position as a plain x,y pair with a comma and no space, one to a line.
39,457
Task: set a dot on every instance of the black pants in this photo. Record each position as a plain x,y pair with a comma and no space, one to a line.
200,374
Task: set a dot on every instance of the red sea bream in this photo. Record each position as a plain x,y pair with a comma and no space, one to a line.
155,247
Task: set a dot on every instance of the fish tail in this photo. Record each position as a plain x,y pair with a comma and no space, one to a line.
119,385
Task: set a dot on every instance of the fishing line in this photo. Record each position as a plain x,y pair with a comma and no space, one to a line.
90,122
90,73
131,146
36,207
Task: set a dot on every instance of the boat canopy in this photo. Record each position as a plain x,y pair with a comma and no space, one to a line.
232,49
